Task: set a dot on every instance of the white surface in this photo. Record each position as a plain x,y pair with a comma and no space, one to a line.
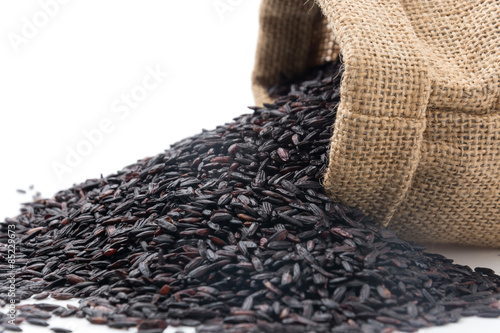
70,75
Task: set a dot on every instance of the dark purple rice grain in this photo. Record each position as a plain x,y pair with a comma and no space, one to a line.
11,328
60,330
37,321
230,231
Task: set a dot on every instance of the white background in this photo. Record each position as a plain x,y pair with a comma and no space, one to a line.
62,75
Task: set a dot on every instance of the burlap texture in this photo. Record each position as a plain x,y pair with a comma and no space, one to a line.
417,137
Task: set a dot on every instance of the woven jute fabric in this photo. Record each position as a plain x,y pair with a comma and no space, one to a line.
416,143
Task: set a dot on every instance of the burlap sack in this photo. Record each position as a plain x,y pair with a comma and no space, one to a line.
417,136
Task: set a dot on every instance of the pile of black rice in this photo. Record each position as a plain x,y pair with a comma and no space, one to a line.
230,231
